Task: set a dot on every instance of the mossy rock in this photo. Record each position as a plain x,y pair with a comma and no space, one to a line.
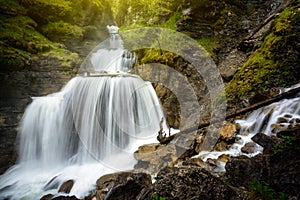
275,63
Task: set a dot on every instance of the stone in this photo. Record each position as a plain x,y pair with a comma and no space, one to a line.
122,185
195,161
280,170
153,157
228,132
267,142
47,197
249,147
191,182
291,133
228,74
65,198
241,170
224,158
221,146
282,120
66,186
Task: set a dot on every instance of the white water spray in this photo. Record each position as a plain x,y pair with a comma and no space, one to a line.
90,128
267,120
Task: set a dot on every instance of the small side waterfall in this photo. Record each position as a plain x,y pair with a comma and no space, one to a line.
89,128
268,120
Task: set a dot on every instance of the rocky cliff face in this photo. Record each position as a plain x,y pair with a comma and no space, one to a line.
43,76
34,65
241,38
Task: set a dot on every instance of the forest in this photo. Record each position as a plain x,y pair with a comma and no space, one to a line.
252,47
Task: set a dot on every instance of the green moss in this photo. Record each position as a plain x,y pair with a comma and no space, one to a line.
13,59
208,43
60,30
284,22
274,64
158,56
19,40
19,32
63,56
11,7
171,23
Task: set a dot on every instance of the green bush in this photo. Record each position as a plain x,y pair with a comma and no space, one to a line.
265,191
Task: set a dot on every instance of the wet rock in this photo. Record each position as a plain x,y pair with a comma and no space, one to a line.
47,197
195,161
267,142
224,158
153,157
282,120
222,146
290,133
227,136
66,186
280,170
228,74
245,167
212,162
52,184
122,185
228,132
65,198
191,182
249,147
185,145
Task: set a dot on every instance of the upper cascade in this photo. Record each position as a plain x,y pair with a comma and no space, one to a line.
112,29
109,57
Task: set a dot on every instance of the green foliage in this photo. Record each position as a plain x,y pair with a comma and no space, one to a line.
156,178
156,196
287,142
265,191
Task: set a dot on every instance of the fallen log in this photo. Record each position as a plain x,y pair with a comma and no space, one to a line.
266,21
258,105
274,99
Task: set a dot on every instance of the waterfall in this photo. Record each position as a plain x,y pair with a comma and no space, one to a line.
268,120
89,128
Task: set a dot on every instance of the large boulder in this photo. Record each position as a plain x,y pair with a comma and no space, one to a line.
122,185
279,168
192,182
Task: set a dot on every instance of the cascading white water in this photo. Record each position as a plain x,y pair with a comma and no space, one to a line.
89,128
267,120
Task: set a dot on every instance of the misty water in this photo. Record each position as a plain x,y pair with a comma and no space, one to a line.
95,123
89,128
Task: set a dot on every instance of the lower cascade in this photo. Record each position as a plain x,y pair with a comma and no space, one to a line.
95,123
90,128
269,120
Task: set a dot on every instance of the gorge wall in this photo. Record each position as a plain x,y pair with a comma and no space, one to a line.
42,45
